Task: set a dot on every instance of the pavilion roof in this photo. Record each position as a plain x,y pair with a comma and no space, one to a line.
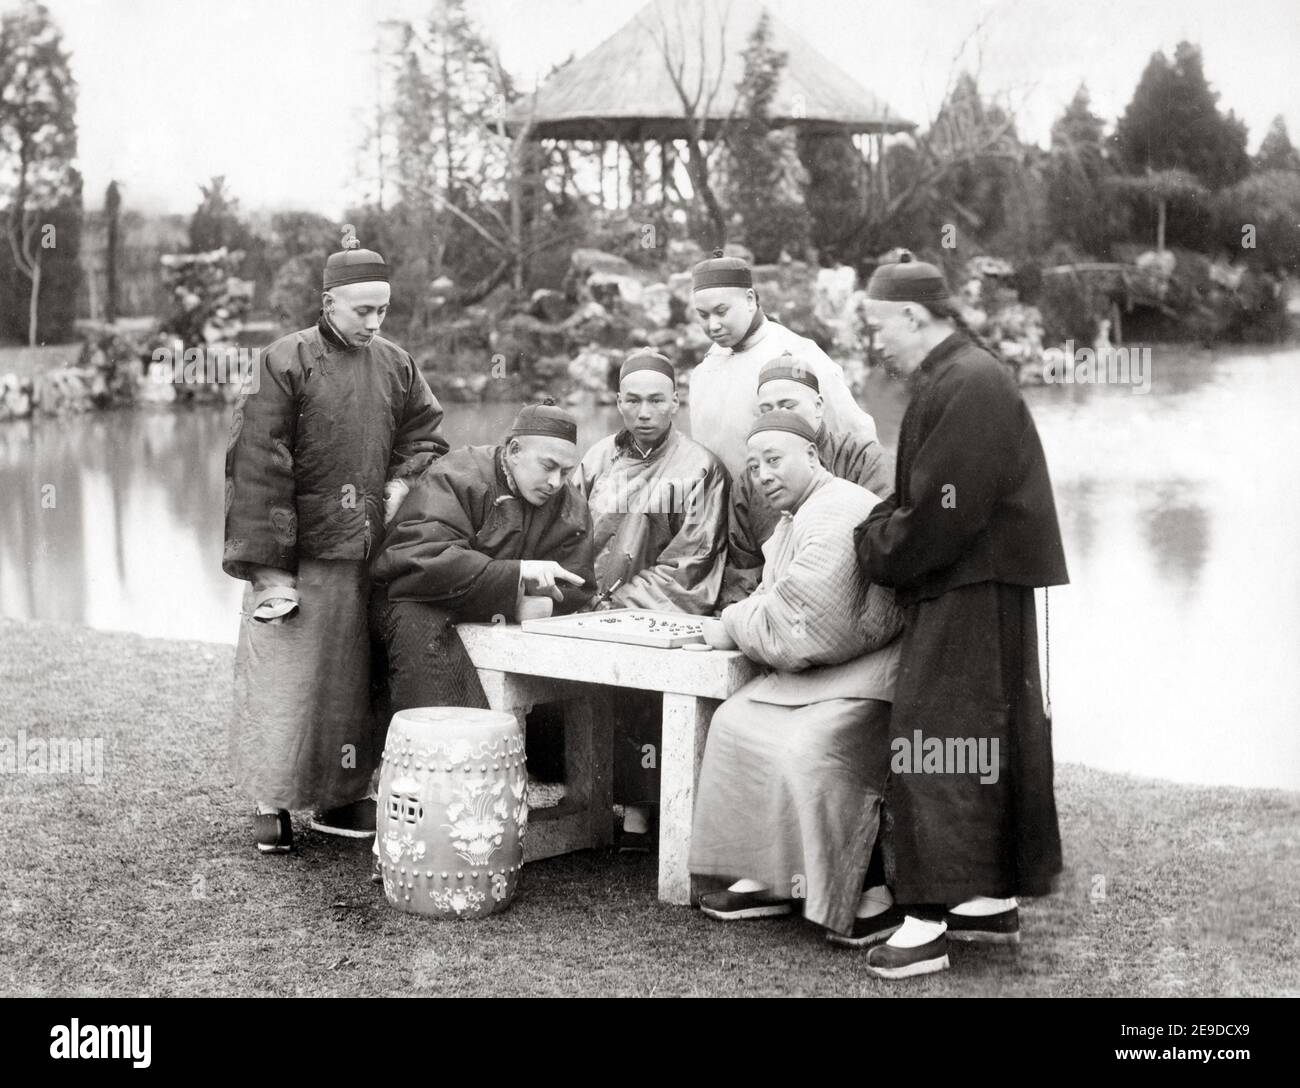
623,89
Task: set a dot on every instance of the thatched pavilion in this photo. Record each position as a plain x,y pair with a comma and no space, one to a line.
669,77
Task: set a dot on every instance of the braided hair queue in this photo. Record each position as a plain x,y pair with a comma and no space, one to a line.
954,315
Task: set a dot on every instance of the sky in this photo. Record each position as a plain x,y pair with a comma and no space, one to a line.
274,94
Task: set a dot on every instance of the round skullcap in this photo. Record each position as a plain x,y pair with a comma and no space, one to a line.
783,420
354,266
545,419
648,360
791,369
720,271
910,280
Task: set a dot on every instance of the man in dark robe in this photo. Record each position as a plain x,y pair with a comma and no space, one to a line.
789,384
659,529
969,532
321,447
484,528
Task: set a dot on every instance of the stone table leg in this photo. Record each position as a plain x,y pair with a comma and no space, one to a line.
686,725
584,819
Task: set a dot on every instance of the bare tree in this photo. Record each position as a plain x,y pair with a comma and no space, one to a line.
959,135
698,75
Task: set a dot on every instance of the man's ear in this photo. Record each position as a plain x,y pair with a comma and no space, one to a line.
326,301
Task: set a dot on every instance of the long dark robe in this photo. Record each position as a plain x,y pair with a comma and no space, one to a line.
970,530
309,454
970,669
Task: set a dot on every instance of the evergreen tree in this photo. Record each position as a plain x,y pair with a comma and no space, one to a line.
1174,123
974,193
1081,210
216,222
765,177
41,191
834,194
1276,151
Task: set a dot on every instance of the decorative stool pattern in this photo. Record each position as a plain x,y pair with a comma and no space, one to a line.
453,808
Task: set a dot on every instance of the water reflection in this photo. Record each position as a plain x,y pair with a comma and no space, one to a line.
1173,650
1177,532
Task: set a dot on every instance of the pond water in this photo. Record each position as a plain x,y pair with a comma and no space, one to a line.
1174,651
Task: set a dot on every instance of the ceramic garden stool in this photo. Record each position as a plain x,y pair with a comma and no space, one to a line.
453,807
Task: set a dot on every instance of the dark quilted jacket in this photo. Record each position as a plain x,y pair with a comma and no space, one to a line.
311,449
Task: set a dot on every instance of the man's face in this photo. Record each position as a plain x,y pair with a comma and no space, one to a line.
647,401
540,465
782,464
793,396
895,329
357,309
724,313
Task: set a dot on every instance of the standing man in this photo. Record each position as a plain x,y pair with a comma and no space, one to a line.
722,407
968,534
789,384
659,514
320,452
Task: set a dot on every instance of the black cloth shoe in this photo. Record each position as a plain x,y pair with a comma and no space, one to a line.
273,832
738,906
354,821
1001,928
886,961
873,930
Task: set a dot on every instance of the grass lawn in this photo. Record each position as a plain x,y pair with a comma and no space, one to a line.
147,884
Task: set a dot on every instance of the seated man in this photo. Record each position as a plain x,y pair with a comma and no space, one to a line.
796,761
790,384
482,528
659,514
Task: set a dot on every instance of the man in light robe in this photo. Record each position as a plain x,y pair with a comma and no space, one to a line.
788,802
968,534
789,384
320,453
744,339
658,504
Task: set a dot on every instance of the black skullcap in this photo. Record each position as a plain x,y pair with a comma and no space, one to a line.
354,266
788,367
720,271
648,360
782,419
545,419
910,280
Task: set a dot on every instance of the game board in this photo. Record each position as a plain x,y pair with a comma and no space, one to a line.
637,626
